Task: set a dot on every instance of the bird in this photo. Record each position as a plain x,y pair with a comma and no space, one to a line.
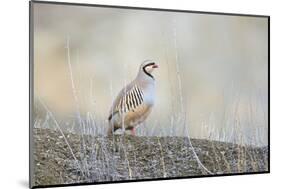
134,102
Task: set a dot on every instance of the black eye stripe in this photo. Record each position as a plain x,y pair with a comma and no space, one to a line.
149,64
144,70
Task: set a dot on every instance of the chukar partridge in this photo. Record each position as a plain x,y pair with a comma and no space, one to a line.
134,102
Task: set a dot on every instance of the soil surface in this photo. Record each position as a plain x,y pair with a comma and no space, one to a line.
64,158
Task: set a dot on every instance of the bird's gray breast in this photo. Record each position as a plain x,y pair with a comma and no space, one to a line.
149,94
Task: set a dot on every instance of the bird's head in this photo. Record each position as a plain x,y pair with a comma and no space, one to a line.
147,67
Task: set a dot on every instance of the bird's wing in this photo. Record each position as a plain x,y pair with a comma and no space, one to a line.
128,99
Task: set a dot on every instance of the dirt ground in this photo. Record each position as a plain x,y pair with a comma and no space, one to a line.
71,158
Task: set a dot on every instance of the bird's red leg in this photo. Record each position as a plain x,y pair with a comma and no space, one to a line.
133,132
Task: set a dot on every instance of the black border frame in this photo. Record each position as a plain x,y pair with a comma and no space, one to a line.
31,88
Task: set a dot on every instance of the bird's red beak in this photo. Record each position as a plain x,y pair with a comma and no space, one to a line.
155,66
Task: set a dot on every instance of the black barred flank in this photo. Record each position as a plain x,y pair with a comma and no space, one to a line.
129,102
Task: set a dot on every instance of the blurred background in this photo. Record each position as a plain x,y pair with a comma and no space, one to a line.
212,81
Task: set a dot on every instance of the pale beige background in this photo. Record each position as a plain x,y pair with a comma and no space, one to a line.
222,62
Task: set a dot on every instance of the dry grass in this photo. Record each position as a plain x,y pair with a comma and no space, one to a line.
129,158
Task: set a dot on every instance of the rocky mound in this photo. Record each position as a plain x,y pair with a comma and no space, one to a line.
64,158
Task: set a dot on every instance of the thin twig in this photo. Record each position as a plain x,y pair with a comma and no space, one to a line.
58,127
182,106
